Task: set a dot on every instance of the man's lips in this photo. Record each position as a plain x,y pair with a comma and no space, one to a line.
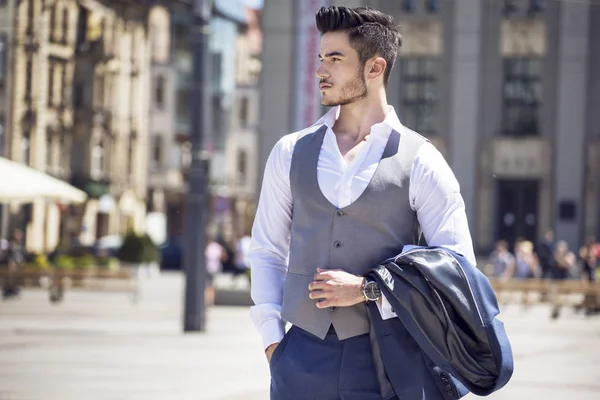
324,86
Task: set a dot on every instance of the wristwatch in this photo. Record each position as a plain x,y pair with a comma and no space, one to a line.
371,291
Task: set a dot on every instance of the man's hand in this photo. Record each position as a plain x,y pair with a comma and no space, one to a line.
336,288
270,350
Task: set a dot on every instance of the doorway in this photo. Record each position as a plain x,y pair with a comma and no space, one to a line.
517,207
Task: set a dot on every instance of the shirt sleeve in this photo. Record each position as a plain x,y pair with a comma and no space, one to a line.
435,197
270,245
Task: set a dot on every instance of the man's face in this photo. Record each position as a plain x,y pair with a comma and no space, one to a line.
341,77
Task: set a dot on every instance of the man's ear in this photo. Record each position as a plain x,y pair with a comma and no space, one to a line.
375,68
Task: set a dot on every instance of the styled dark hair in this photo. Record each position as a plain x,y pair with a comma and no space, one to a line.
370,32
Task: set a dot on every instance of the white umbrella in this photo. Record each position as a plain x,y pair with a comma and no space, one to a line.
20,183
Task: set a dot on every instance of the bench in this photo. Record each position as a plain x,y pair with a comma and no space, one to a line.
58,281
556,292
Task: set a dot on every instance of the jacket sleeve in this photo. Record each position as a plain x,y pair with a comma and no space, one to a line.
449,308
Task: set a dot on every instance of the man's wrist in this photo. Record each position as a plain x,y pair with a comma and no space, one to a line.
272,331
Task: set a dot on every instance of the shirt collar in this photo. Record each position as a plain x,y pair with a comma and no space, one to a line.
391,121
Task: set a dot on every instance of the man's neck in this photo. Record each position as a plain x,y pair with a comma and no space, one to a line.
356,119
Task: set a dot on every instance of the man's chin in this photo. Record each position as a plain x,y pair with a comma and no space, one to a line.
329,103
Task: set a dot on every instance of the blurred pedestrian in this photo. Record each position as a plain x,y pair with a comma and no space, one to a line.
501,260
564,262
589,260
545,253
214,254
14,258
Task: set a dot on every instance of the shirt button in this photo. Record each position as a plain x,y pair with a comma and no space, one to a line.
337,244
448,388
340,213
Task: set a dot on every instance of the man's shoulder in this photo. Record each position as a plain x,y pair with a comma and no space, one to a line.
288,142
414,135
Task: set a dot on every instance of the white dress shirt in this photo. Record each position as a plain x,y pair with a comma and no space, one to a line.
434,195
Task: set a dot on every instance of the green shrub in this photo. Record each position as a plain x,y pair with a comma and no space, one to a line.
84,261
110,263
64,262
40,261
132,249
151,252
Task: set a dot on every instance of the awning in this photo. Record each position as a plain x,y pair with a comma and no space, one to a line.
20,183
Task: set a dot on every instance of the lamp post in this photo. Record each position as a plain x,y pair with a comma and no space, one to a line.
197,196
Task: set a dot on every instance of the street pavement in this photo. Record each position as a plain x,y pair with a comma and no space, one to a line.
101,346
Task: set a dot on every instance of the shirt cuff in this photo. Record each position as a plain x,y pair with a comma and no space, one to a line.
272,331
385,308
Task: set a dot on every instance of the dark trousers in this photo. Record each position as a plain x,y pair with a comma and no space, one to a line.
304,367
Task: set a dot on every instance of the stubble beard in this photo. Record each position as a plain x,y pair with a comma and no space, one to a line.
350,93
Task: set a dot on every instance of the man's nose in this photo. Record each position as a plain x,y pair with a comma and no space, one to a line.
322,72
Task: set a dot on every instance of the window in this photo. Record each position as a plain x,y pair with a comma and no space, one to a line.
183,104
522,96
242,166
28,78
419,94
3,57
432,5
159,92
53,24
25,150
157,150
65,25
65,151
78,92
244,111
408,5
131,157
97,161
186,155
51,85
30,16
49,158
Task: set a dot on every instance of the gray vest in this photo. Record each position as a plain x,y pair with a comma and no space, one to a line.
354,238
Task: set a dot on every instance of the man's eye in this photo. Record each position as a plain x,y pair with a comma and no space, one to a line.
335,59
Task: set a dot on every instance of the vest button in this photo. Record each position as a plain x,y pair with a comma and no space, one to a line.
340,213
337,244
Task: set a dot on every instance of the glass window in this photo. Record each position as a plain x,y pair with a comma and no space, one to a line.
522,96
244,111
51,85
3,56
242,166
97,161
157,150
159,92
65,25
419,94
25,150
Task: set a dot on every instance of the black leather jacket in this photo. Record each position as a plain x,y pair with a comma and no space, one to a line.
446,340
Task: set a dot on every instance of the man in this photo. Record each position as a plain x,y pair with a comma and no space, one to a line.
338,198
545,253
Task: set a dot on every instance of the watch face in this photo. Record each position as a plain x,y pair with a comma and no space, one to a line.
372,291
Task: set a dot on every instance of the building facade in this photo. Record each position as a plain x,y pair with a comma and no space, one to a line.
110,99
75,108
231,144
166,183
505,89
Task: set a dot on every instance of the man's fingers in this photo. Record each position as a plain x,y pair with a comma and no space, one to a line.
325,303
318,294
317,285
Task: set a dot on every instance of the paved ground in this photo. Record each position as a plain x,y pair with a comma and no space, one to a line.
101,347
